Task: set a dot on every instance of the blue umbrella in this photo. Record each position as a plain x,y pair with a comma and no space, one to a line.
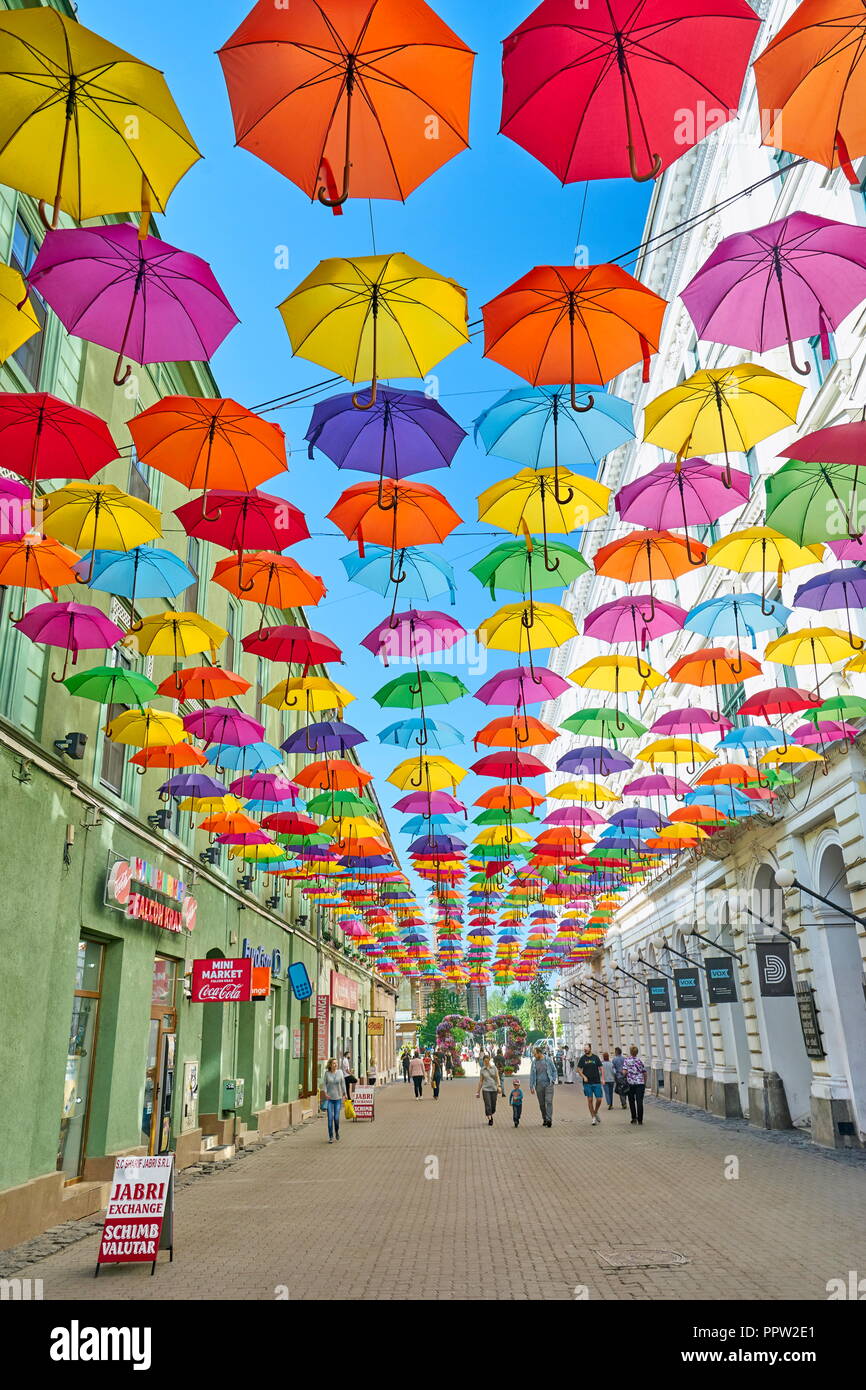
736,615
752,736
144,572
537,426
252,757
330,736
425,577
405,734
440,825
259,808
725,799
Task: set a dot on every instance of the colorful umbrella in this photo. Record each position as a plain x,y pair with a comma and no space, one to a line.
536,426
43,437
36,562
223,724
517,566
814,502
98,516
835,589
737,616
111,685
682,493
715,666
143,572
298,646
519,627
203,683
142,299
413,635
275,580
761,550
425,576
332,736
18,321
638,618
648,556
530,502
75,627
177,634
309,693
243,521
395,514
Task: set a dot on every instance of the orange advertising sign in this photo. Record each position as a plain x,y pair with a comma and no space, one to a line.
261,981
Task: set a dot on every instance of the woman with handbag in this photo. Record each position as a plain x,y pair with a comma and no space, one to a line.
332,1093
489,1086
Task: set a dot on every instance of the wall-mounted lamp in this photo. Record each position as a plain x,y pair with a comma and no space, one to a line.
786,879
161,820
211,855
273,902
245,881
72,746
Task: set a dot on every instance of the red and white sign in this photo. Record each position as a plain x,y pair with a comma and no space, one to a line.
220,981
138,1220
364,1101
148,894
323,1031
344,992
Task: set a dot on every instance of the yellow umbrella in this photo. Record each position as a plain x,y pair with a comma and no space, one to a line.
722,409
527,627
532,501
212,804
376,316
98,516
358,826
502,835
84,124
144,728
761,550
794,753
581,791
177,635
811,646
16,324
668,750
311,693
258,854
434,774
683,831
615,674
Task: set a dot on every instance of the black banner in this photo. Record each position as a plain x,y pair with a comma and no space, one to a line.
721,982
659,996
775,974
688,986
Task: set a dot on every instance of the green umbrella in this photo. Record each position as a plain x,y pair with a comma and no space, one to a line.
303,841
494,817
111,685
349,805
602,723
815,502
515,566
415,689
839,708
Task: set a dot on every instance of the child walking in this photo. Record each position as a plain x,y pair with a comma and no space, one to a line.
515,1100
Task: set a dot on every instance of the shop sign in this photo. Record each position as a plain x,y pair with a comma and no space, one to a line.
140,1215
812,1035
345,993
300,981
147,894
296,1042
775,975
261,981
721,983
323,1021
260,957
659,996
376,1026
364,1101
221,981
687,983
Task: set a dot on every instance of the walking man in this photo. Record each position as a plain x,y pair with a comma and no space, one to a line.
635,1075
542,1079
620,1085
589,1070
404,1063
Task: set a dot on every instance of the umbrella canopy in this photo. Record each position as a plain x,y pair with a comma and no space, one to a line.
309,693
141,728
69,101
761,550
814,502
601,93
506,732
519,687
415,690
142,299
835,589
536,426
209,442
18,321
648,556
331,736
98,516
715,666
603,723
299,646
203,683
111,685
243,521
74,626
397,514
375,316
531,501
223,724
271,579
518,567
638,618
42,437
423,576
178,634
36,562
343,99
517,627
682,493
143,572
405,432
170,755
413,635
737,616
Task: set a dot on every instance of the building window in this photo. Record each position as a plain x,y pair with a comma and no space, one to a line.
139,477
24,249
782,160
114,755
260,688
822,364
752,461
231,638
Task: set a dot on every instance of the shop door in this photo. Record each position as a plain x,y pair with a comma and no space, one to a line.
159,1073
307,1079
79,1061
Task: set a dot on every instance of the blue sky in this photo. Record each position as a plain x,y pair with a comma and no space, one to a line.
486,218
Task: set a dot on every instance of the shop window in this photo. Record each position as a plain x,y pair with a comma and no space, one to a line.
24,249
79,1060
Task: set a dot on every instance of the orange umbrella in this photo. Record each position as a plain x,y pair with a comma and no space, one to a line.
209,443
334,775
573,324
170,755
203,683
812,85
728,775
269,578
409,514
378,90
508,798
511,731
36,562
646,556
714,666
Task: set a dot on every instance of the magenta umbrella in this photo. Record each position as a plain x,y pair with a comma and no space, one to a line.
637,618
684,493
793,279
656,784
430,804
74,626
574,815
265,786
222,724
688,721
142,299
519,686
413,634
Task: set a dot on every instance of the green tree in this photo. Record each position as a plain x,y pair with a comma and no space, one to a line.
538,1005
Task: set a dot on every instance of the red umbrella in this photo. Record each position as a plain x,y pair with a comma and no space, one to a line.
605,90
242,521
299,646
508,764
43,437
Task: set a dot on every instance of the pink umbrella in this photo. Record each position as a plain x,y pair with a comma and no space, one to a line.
851,548
222,724
265,786
430,803
657,784
826,731
413,634
574,815
688,721
637,618
247,837
74,626
143,299
681,494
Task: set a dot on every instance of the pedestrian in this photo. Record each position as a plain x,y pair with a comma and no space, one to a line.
589,1070
333,1092
542,1079
608,1078
635,1075
499,1061
405,1058
371,1071
489,1085
416,1071
515,1100
349,1076
568,1066
427,1064
559,1066
620,1084
449,1067
436,1074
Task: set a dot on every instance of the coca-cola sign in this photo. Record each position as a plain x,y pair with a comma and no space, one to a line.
220,981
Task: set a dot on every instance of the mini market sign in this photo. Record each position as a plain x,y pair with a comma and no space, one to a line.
141,891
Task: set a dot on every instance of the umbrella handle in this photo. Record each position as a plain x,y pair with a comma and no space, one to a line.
382,505
117,378
654,170
801,371
341,198
374,382
581,409
244,588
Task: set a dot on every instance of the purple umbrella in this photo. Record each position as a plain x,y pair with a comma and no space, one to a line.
835,589
637,618
74,626
657,784
790,280
406,432
436,844
331,736
689,720
413,634
196,784
689,492
264,786
143,299
429,803
594,758
222,724
636,816
574,815
519,686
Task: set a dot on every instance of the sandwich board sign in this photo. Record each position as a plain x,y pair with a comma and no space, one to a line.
139,1219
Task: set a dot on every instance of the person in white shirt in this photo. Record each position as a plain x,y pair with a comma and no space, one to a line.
333,1092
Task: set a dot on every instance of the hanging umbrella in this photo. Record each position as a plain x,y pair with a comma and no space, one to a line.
722,409
380,93
223,724
616,675
835,589
677,751
525,627
638,618
761,550
203,683
143,572
111,685
793,279
298,646
530,502
776,702
242,521
209,442
573,324
834,444
246,758
536,426
141,299
177,635
601,93
647,557
275,580
18,321
332,736
412,635
518,567
505,732
682,493
519,687
43,437
814,502
810,82
714,666
407,733
812,646
98,516
265,787
308,693
424,576
171,755
603,723
375,316
141,728
36,562
398,515
510,764
736,615
75,627
85,125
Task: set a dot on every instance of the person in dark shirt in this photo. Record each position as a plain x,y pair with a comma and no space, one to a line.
589,1069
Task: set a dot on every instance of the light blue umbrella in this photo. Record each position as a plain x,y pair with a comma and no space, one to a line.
752,736
144,572
439,825
736,615
406,733
537,426
725,799
253,757
425,577
257,809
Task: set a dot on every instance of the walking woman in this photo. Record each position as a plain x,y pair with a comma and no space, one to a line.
416,1071
436,1074
489,1085
333,1093
608,1077
635,1075
542,1079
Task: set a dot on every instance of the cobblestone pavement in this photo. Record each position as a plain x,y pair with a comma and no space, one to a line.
617,1210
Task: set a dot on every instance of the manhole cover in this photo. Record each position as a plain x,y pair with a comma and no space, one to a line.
640,1257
